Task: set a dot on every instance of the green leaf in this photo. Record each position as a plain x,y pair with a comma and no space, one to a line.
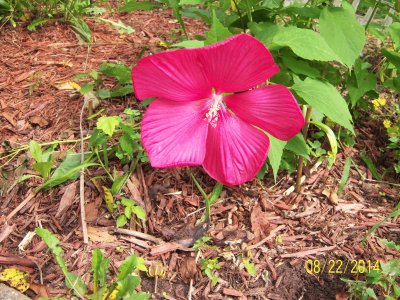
139,212
325,98
390,244
99,268
391,267
86,88
127,287
121,221
275,154
118,70
108,124
177,11
135,5
129,265
35,150
189,44
298,145
68,169
370,166
331,138
394,30
72,281
342,32
251,269
80,26
121,27
370,292
305,43
217,31
121,91
300,67
345,176
191,2
37,22
119,183
392,56
43,168
360,82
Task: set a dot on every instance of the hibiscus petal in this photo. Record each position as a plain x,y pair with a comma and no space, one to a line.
272,108
237,64
175,75
235,151
174,133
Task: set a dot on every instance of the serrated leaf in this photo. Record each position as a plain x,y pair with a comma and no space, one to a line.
108,124
121,27
217,31
118,70
325,98
86,88
342,32
300,67
298,145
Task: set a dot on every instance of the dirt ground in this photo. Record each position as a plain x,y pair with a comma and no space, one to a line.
282,230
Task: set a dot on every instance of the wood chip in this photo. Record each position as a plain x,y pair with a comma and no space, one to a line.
308,252
67,199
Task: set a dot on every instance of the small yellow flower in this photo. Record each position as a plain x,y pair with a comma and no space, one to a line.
387,123
382,101
375,103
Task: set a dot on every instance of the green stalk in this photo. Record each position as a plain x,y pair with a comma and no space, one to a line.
301,158
373,13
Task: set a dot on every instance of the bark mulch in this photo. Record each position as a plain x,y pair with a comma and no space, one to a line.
279,231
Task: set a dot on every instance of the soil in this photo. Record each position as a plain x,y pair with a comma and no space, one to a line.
293,228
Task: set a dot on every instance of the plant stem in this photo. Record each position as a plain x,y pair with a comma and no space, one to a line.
373,13
301,158
240,15
216,192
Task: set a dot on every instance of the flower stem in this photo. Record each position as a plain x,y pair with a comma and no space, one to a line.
301,158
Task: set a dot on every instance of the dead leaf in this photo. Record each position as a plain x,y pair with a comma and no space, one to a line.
342,296
90,97
67,199
351,208
259,223
332,196
40,290
9,118
6,231
188,269
101,235
38,120
133,185
66,85
92,210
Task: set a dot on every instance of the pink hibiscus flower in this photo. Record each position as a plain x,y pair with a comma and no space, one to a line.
208,110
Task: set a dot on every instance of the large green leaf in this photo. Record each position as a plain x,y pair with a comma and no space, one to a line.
325,98
298,145
392,56
217,31
342,32
135,5
275,154
394,31
305,43
360,82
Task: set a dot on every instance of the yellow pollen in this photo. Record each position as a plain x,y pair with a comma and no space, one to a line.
212,113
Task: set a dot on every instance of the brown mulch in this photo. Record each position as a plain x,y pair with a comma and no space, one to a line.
281,232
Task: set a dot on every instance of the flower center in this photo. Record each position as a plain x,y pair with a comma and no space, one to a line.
212,113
